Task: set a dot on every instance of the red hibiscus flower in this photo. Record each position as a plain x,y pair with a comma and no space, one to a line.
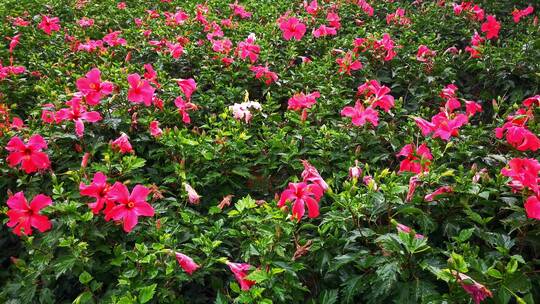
491,27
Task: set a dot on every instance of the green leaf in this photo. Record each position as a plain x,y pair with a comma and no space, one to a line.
464,235
147,293
85,277
512,266
83,298
220,299
494,273
458,263
258,276
328,296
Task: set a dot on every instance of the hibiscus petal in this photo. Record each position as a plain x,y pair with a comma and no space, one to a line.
18,202
39,202
36,142
119,193
15,144
313,207
91,116
40,160
143,209
130,220
15,158
40,222
139,194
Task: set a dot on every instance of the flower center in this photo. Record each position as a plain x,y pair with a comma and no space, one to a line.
130,204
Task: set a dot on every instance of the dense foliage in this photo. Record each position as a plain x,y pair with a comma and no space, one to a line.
269,151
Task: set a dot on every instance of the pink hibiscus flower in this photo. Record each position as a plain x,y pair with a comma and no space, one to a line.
300,195
186,263
113,39
361,115
524,173
377,95
264,73
98,189
130,205
49,24
472,107
312,7
302,101
417,160
532,207
519,137
154,129
92,88
311,174
442,125
25,216
477,291
424,54
248,48
78,114
29,155
183,108
440,191
240,273
323,31
188,86
140,90
292,28
239,10
518,14
407,229
348,63
122,144
193,197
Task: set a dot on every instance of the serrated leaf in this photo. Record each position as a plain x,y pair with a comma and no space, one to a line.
147,293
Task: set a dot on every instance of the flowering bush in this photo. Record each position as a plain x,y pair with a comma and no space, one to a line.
352,151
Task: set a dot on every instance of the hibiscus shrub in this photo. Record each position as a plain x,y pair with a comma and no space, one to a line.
353,151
